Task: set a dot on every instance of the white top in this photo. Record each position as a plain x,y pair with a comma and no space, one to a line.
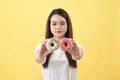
58,67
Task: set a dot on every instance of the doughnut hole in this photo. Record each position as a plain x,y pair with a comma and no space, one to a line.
65,44
52,44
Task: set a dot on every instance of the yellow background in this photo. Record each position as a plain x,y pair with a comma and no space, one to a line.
96,24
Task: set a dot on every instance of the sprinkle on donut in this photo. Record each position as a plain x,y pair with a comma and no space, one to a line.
52,44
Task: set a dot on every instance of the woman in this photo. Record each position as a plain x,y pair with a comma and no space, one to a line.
59,64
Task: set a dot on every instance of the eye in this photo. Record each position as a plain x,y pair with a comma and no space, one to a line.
62,23
53,23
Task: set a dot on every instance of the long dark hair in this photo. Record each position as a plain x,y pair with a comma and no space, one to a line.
69,34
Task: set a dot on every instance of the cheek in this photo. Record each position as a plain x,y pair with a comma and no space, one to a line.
65,29
52,29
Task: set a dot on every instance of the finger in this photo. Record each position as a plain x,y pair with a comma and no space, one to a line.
70,39
43,48
45,41
71,51
47,52
75,46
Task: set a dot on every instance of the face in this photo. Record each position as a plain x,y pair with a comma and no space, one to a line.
58,26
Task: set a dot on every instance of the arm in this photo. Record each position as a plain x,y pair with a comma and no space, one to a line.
77,51
41,52
80,54
38,57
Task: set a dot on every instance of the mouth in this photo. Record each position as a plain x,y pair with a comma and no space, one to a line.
58,31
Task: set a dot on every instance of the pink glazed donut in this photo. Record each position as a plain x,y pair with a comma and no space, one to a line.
66,44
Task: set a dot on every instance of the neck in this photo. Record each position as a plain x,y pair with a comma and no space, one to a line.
58,38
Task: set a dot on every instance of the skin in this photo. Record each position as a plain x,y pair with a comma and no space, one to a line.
58,28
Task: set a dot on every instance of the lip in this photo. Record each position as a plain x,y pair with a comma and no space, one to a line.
58,31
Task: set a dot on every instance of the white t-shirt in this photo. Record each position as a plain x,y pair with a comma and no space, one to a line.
58,67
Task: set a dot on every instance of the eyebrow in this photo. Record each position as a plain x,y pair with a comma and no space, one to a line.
56,21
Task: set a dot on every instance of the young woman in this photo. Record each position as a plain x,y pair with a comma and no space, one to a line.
59,64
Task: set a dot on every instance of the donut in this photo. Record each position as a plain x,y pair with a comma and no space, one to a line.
66,44
52,44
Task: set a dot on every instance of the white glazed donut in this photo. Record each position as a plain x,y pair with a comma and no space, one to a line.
66,44
52,44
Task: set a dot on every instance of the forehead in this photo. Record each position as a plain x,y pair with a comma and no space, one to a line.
57,18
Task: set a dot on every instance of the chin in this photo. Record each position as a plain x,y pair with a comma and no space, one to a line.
60,36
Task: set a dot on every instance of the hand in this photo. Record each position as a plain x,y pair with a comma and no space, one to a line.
75,51
43,51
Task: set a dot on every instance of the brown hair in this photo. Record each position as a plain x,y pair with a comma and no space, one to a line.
69,34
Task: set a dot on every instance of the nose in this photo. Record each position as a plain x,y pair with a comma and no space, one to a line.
58,26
